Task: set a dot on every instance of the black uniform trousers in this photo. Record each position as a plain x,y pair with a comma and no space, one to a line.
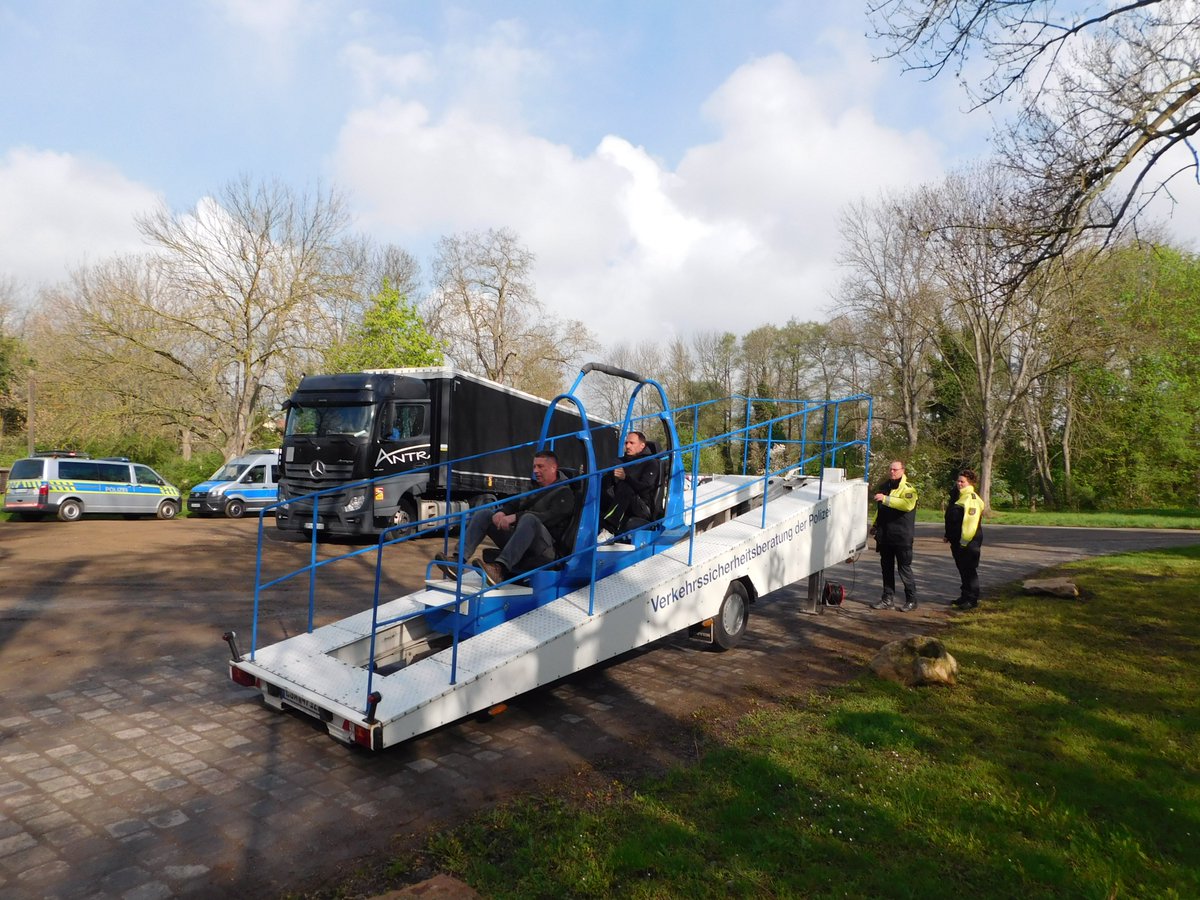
893,557
966,560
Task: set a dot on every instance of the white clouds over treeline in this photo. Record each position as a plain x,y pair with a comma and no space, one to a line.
742,231
59,211
734,229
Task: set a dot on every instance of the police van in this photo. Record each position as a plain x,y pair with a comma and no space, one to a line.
69,486
244,483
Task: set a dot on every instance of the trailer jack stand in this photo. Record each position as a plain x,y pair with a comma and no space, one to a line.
231,639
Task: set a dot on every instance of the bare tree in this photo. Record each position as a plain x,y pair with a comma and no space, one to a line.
12,359
1108,97
716,365
250,281
485,311
1000,334
105,361
608,397
888,291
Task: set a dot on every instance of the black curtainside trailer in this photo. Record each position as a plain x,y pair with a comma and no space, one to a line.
374,446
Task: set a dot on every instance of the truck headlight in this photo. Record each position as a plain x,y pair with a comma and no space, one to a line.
354,503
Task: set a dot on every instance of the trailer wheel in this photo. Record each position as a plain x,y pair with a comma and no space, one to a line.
730,623
235,508
70,510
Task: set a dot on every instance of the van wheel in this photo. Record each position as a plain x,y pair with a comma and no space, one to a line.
730,624
235,509
168,509
70,510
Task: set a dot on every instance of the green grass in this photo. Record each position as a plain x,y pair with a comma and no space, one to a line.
1065,763
1128,518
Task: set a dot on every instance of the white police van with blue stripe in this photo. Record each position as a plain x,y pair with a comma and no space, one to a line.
69,486
245,483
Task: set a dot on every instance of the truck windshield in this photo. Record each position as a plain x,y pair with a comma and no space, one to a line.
317,421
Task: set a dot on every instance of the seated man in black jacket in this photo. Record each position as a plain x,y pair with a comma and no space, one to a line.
628,492
526,529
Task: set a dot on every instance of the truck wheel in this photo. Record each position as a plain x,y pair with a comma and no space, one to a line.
730,624
235,508
70,510
168,509
405,515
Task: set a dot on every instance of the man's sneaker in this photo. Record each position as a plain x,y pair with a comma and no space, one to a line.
447,571
884,602
967,604
909,606
493,573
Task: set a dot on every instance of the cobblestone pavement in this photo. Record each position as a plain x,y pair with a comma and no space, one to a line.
158,777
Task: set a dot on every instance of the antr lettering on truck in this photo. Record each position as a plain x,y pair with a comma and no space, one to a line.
397,425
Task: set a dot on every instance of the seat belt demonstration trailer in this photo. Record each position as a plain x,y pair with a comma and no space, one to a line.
457,647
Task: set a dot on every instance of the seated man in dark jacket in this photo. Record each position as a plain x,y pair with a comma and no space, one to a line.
527,529
628,492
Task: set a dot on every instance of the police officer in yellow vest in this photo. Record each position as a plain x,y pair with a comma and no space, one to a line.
964,534
895,521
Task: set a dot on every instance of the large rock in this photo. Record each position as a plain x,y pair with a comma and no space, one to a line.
914,661
439,887
1055,587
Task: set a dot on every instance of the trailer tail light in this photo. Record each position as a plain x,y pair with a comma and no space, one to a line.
364,736
242,677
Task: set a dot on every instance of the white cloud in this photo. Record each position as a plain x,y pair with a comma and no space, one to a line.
743,232
268,19
380,73
58,211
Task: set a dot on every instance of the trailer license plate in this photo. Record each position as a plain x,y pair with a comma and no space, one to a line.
302,703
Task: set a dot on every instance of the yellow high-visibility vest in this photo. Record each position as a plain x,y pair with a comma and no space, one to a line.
972,514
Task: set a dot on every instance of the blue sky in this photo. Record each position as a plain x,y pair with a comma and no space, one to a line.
678,165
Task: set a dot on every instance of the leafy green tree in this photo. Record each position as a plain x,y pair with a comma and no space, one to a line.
392,336
1141,435
14,359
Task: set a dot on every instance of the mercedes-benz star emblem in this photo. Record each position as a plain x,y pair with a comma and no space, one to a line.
317,469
